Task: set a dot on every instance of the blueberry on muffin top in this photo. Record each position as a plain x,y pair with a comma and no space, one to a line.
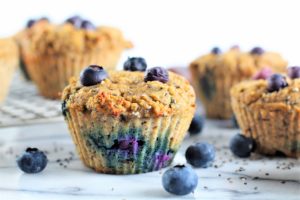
127,93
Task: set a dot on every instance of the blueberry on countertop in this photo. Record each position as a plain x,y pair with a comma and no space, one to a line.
135,64
257,51
32,161
242,146
92,75
294,72
196,125
216,50
200,154
76,21
264,74
276,82
87,25
157,74
180,180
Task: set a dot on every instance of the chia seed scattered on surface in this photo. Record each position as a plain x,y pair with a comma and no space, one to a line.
255,188
267,174
241,169
283,182
205,187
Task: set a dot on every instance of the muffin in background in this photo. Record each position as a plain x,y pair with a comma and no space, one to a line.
9,60
21,36
54,53
124,122
268,111
215,73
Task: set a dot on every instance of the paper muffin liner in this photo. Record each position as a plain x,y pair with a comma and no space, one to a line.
116,145
274,131
214,92
7,69
51,73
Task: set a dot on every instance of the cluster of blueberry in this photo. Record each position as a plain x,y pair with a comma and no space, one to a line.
278,81
76,21
79,22
95,74
254,51
182,179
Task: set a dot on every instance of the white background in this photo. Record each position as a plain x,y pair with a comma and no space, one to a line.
171,32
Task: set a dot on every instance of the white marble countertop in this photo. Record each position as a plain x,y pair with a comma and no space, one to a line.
229,178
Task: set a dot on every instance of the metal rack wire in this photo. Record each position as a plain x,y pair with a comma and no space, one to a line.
25,106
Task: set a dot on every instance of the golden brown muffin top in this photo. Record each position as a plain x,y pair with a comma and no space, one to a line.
47,38
255,93
126,93
236,61
8,48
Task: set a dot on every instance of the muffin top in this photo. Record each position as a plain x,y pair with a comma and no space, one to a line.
8,48
259,93
47,38
236,61
125,93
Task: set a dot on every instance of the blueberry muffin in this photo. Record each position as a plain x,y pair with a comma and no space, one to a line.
21,36
126,122
54,53
215,73
9,60
268,111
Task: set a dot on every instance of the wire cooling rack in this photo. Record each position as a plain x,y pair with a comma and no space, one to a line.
25,106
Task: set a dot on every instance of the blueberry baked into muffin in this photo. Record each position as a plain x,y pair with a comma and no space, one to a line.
126,122
9,60
215,73
54,53
268,111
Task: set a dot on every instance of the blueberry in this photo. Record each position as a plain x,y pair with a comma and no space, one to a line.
32,161
257,51
294,72
241,146
276,82
265,73
216,51
157,74
196,125
234,122
87,25
30,23
180,180
76,21
92,75
129,145
200,155
135,64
